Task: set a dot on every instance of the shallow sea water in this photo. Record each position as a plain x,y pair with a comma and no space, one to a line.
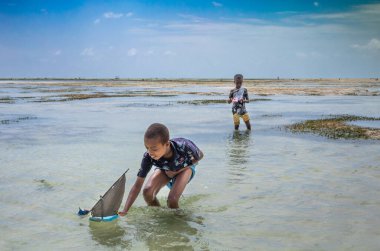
268,189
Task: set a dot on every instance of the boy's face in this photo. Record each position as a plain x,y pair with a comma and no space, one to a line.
156,148
238,82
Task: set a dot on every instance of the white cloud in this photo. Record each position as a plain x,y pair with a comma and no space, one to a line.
369,8
338,15
247,20
96,21
57,52
373,45
132,52
149,52
192,18
308,55
129,14
169,53
367,13
301,55
111,14
287,12
216,4
89,52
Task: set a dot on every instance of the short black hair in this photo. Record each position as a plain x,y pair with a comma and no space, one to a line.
238,76
157,130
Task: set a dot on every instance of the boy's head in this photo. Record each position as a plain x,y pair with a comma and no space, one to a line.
238,79
156,140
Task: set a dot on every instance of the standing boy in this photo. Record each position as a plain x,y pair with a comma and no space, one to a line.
238,97
175,161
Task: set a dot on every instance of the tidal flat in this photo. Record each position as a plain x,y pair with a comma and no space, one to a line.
64,142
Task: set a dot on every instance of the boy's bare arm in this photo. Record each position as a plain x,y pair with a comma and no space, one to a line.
230,98
201,155
133,193
195,161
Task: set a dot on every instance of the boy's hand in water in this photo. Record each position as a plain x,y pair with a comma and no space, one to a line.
122,213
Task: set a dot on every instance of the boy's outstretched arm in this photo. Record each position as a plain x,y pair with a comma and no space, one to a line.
133,193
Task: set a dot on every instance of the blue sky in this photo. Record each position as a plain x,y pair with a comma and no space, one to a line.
190,39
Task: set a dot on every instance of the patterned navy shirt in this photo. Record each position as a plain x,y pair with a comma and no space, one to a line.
184,152
236,95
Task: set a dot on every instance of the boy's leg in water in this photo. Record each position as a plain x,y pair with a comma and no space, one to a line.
178,187
246,120
248,124
156,181
236,121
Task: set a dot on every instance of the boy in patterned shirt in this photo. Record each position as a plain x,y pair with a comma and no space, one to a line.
238,97
175,162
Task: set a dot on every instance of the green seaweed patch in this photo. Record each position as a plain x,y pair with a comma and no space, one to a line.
259,99
83,96
65,90
271,115
215,101
44,184
17,120
203,93
335,127
203,102
146,105
31,87
7,100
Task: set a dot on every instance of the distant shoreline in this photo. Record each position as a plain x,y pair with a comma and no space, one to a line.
261,87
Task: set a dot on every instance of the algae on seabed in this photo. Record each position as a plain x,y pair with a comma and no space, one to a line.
335,127
215,101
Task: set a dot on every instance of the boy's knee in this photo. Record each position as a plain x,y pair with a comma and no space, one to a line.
236,119
148,193
173,201
245,117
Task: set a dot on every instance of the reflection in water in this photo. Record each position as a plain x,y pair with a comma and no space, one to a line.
238,148
109,234
238,145
158,228
167,229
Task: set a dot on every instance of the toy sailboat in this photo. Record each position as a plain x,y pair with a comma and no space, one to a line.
107,207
